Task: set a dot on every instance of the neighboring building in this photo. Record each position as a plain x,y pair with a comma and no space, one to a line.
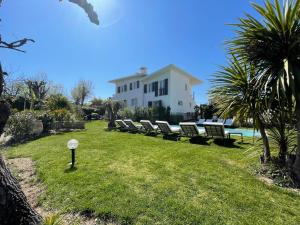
169,86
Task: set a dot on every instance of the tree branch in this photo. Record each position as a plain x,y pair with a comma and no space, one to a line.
15,45
88,8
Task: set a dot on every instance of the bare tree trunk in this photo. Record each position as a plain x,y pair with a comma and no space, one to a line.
14,208
266,152
296,166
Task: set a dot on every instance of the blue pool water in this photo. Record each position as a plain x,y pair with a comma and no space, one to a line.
245,132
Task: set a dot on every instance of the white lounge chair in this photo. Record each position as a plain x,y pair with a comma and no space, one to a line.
122,125
191,130
217,131
229,123
149,127
220,121
200,122
209,120
132,127
169,131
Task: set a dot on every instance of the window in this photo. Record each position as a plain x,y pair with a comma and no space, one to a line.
145,88
161,87
166,88
163,90
155,84
180,102
186,87
130,86
149,104
138,84
125,103
119,90
125,87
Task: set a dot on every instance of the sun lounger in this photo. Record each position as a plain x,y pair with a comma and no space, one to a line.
122,125
200,122
217,131
229,123
132,127
149,127
209,120
220,121
191,130
169,131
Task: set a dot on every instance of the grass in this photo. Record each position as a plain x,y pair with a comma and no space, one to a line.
136,179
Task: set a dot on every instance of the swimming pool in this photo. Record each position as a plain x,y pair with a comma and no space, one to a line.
245,132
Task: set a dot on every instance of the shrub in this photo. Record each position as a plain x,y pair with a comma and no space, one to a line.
126,113
62,115
78,113
20,125
46,117
58,101
175,118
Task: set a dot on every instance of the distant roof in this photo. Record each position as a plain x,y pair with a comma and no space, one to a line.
194,80
128,77
145,77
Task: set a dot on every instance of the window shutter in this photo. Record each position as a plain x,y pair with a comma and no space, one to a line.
156,88
166,87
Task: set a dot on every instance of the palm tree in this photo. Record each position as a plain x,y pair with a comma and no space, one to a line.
233,93
112,108
273,46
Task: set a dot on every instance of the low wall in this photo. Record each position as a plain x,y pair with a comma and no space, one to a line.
67,125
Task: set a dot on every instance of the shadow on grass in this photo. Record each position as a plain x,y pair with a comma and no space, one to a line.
228,143
71,169
172,137
199,141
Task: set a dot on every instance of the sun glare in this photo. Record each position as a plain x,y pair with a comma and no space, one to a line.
110,11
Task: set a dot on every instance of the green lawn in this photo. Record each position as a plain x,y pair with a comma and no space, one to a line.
137,179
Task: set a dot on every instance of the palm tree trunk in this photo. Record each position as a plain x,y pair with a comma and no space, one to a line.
266,152
296,166
14,208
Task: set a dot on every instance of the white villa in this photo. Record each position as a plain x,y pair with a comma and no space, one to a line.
168,87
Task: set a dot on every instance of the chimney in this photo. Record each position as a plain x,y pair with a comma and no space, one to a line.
143,71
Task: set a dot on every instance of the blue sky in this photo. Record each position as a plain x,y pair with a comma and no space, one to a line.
133,33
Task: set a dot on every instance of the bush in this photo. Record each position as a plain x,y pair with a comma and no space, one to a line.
78,112
58,101
20,125
62,115
175,118
46,118
152,114
126,113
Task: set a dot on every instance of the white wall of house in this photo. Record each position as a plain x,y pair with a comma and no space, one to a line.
181,93
150,96
179,97
128,96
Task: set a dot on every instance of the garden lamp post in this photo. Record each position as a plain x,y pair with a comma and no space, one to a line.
73,145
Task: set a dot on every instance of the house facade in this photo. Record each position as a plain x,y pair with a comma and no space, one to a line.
168,87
